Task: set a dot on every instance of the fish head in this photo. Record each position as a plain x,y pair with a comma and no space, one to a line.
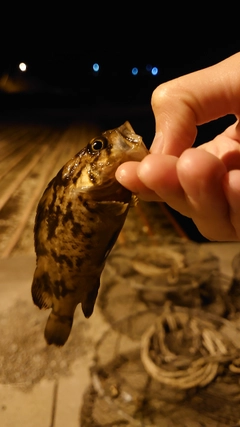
96,164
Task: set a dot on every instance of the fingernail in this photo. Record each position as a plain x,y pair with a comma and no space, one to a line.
157,144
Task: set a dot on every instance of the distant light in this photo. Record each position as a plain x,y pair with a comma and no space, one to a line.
134,71
22,66
154,71
96,67
149,67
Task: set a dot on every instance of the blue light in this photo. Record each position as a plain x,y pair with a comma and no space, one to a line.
149,67
154,71
96,67
134,71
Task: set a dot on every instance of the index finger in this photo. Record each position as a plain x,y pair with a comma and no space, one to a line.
182,104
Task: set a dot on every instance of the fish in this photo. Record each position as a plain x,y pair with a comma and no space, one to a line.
78,220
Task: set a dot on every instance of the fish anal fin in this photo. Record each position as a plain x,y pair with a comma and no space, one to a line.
41,291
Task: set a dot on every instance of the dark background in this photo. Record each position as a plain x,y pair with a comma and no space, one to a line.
59,84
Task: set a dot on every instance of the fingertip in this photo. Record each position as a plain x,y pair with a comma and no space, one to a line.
143,169
198,167
158,172
120,173
127,175
201,176
231,185
231,189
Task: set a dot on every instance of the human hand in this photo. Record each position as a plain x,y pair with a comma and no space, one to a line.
202,183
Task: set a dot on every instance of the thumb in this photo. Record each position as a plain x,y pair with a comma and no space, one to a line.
182,104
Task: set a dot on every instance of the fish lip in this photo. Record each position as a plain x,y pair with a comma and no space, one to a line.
136,147
127,137
130,137
132,145
134,138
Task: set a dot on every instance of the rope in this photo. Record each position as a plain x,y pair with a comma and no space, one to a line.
199,367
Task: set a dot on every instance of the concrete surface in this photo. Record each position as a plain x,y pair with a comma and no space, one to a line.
49,403
57,402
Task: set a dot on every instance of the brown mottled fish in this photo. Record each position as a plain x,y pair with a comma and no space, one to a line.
78,220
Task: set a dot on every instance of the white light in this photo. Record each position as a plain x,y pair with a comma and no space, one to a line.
96,67
134,71
22,66
154,71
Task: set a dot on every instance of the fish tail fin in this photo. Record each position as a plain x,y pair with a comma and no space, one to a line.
41,290
57,329
89,302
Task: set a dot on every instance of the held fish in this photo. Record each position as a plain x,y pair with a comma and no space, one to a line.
78,220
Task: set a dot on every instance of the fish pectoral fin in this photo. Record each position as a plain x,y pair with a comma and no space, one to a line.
90,299
133,201
41,291
113,207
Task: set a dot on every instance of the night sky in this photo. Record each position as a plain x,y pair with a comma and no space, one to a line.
60,53
60,45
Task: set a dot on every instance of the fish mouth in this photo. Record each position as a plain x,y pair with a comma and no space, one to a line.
131,143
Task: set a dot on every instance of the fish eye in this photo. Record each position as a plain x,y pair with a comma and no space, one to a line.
98,144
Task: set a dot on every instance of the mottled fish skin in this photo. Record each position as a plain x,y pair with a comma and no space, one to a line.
78,220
